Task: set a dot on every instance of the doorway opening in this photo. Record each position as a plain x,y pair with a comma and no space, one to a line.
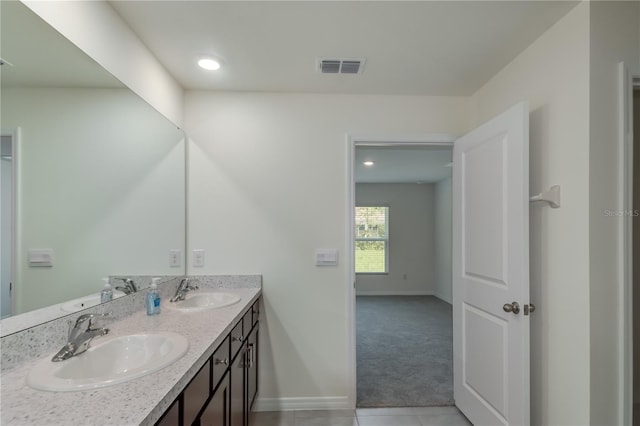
7,215
402,274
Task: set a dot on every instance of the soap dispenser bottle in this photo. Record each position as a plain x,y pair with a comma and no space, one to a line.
106,294
153,298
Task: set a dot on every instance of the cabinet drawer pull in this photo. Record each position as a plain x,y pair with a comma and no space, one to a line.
217,361
239,338
252,354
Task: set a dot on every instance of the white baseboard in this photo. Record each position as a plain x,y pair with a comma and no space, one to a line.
444,299
394,293
310,403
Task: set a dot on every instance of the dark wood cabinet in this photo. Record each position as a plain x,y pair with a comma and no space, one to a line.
252,367
196,394
171,417
217,411
224,390
237,402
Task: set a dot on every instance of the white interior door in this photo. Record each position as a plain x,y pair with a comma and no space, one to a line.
491,269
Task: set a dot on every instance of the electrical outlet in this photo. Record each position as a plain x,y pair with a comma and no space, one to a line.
175,258
198,258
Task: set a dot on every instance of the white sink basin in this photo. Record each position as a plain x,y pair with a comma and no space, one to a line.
199,301
85,302
109,361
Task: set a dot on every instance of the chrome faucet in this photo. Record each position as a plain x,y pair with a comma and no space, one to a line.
129,286
184,286
80,336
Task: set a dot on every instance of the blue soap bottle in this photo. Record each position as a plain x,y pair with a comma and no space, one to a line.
152,299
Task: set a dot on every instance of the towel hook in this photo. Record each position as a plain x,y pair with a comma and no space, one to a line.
552,196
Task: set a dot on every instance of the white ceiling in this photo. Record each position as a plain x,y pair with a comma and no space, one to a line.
411,47
448,48
402,164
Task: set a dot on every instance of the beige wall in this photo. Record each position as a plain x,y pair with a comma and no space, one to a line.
553,75
443,240
412,248
613,38
268,185
104,189
636,247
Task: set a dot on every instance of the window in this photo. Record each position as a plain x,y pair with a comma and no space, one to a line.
372,240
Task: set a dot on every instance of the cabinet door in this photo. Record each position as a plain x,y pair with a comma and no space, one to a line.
217,412
252,367
237,404
172,416
196,394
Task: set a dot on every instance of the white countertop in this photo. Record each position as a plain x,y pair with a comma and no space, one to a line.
138,402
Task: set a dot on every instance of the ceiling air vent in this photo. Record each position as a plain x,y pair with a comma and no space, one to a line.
340,66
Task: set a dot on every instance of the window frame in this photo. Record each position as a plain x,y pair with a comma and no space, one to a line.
385,240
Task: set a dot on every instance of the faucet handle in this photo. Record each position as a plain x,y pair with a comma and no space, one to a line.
129,282
89,317
192,283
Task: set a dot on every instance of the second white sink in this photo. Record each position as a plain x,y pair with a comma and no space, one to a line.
109,361
199,301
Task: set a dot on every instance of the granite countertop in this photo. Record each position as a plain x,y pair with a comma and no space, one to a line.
140,401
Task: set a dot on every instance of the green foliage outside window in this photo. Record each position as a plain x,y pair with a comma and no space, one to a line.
371,239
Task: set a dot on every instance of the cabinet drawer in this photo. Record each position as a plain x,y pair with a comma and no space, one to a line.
221,360
197,393
237,338
255,312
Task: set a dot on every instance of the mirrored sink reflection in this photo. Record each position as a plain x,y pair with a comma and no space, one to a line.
109,361
86,302
200,301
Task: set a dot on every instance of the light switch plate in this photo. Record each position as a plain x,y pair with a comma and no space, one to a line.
175,258
326,257
198,258
41,257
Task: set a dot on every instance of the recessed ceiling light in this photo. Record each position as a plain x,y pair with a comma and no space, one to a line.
209,64
368,163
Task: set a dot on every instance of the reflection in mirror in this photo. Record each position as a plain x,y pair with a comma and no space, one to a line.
93,176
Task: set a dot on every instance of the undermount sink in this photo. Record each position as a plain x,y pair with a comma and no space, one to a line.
199,301
85,302
109,361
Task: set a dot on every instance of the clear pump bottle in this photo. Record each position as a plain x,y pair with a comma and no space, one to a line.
106,294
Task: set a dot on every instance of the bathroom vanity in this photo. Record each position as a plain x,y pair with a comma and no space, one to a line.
224,389
214,383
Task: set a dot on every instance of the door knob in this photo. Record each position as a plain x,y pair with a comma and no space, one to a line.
512,307
529,308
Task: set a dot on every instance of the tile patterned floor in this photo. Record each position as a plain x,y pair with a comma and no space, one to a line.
410,416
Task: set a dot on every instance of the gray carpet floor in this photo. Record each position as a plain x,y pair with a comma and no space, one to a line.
404,350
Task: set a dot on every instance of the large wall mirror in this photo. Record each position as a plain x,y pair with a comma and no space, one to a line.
93,178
